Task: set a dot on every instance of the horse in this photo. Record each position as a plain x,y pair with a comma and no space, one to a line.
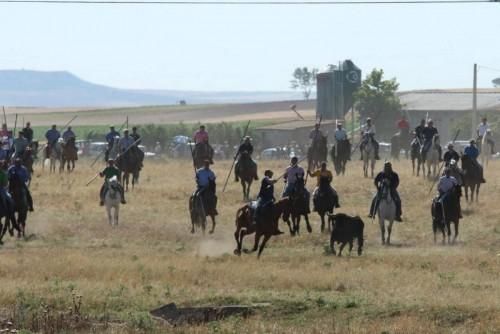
324,201
400,141
54,153
417,156
201,205
444,213
69,154
432,156
317,153
298,207
340,154
10,222
27,159
129,164
386,211
369,156
112,200
471,178
485,149
245,225
202,152
246,173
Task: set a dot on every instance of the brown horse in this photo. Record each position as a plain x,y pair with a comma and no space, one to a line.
69,154
246,173
19,195
245,225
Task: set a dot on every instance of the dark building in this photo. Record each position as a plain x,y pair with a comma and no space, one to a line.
335,89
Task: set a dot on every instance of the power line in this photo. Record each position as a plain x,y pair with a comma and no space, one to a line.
245,3
489,68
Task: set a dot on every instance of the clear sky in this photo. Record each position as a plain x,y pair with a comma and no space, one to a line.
251,47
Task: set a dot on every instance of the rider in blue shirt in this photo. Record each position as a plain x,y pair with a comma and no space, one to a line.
19,172
204,176
472,152
52,136
110,137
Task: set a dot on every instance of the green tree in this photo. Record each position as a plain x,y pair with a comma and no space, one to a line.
496,82
304,79
377,98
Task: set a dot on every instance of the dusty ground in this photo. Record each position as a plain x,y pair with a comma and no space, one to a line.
212,113
151,259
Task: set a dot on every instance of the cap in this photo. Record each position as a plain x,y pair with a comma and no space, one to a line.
387,164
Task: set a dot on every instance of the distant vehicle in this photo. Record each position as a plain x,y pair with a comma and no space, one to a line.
269,154
83,146
146,153
97,147
180,139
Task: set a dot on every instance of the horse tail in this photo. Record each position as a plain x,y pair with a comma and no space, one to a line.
240,213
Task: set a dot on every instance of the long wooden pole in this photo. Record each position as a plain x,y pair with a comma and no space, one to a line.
235,157
474,101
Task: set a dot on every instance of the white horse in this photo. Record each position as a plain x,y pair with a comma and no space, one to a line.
55,155
369,156
386,211
432,156
112,200
485,149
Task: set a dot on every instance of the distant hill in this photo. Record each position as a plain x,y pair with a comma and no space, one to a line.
63,89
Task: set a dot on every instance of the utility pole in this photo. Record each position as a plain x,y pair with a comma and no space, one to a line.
474,102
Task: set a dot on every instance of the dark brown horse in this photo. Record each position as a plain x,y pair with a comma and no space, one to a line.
203,204
19,195
298,207
10,223
69,154
246,173
245,226
340,154
317,153
129,164
472,178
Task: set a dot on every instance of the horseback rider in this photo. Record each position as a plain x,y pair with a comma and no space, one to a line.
4,132
28,132
19,172
201,135
451,154
69,134
110,139
125,142
205,178
52,137
446,186
403,126
315,134
472,152
109,172
341,136
323,174
136,136
20,144
392,179
428,134
293,172
5,197
246,150
419,131
483,129
265,199
368,130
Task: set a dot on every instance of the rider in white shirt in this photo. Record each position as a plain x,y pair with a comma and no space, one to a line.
483,129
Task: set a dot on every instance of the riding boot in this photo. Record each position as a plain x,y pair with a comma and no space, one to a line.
336,200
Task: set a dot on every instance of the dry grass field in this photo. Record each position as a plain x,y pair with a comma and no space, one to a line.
151,259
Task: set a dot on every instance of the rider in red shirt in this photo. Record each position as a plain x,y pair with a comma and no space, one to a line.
403,125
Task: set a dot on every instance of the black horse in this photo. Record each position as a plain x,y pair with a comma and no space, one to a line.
444,212
19,194
472,178
298,207
8,216
341,153
417,159
317,153
324,201
203,204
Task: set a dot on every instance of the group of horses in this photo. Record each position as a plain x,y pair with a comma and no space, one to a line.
63,153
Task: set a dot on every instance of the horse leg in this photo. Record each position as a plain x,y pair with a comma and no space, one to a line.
382,230
238,235
108,211
290,225
266,238
213,224
332,244
448,231
350,246
243,186
456,231
117,212
477,192
434,230
322,216
256,243
308,225
342,245
389,230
